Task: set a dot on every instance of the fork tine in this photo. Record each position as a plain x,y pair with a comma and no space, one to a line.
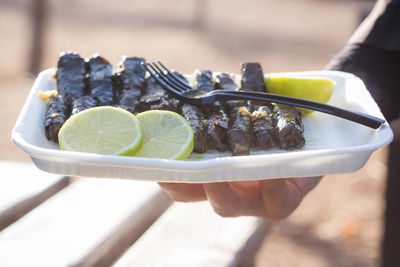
175,79
160,77
167,79
154,74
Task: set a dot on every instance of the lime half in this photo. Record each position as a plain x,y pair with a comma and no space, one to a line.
102,130
166,135
310,88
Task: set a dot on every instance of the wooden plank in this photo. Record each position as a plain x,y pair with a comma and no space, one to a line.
83,225
193,235
23,187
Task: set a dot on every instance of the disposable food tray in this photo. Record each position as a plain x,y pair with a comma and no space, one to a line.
333,145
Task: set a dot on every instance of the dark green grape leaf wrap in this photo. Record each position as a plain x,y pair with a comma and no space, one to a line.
204,80
71,71
99,80
223,81
252,77
56,115
239,132
289,127
83,103
129,82
156,98
264,132
195,118
217,128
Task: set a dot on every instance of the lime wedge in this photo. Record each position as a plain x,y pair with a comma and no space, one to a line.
310,88
166,135
102,130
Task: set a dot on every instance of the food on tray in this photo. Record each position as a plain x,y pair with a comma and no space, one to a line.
239,132
223,81
102,130
44,95
99,80
252,77
235,125
214,116
83,103
264,133
166,135
310,88
71,72
56,115
129,81
289,127
217,127
195,117
203,80
131,74
155,97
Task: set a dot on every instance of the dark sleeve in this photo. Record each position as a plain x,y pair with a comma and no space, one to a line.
379,70
381,28
373,55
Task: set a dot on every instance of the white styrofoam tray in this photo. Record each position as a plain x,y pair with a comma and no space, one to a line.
333,145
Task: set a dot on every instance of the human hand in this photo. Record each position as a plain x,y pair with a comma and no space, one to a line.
274,199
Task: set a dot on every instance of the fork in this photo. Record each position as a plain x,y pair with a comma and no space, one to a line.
187,94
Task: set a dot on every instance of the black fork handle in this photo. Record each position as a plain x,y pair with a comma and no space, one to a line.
355,116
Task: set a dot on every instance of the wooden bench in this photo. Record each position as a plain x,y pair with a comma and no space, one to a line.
48,220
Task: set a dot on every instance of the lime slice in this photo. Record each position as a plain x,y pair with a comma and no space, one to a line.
166,135
102,130
310,88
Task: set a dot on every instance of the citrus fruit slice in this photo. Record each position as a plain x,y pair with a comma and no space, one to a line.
310,88
166,135
102,130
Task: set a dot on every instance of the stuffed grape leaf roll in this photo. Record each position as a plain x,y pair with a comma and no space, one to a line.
252,77
203,80
195,118
71,71
56,115
129,82
264,132
83,103
99,80
289,127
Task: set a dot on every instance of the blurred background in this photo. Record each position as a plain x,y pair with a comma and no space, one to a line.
340,222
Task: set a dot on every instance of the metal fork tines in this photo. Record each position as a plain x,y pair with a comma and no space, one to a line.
172,84
187,94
